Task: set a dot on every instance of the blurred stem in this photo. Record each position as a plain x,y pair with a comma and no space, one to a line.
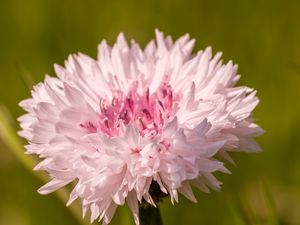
269,201
149,215
237,216
24,75
7,134
13,142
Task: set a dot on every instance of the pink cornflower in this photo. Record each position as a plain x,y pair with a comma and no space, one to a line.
136,118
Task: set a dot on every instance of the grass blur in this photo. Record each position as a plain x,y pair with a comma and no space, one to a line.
261,36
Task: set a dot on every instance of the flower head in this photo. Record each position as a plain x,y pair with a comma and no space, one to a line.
134,118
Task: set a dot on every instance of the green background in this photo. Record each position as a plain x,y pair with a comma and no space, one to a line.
262,37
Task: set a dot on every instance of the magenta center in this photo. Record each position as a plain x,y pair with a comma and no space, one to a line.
148,112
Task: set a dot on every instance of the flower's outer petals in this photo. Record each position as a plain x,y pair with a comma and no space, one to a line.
27,104
247,129
52,186
187,191
132,202
161,45
209,166
74,96
109,213
249,145
158,73
198,182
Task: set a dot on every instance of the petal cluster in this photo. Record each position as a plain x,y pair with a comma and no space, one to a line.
134,116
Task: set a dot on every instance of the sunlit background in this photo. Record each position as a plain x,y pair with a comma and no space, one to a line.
262,37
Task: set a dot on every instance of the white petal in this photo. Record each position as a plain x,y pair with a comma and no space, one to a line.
53,185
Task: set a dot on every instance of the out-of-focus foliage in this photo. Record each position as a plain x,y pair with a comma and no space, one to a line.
261,36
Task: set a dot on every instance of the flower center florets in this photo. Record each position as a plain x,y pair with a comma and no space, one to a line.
149,112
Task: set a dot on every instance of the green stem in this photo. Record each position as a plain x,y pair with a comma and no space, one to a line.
149,215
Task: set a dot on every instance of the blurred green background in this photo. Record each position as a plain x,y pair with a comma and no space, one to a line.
262,37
